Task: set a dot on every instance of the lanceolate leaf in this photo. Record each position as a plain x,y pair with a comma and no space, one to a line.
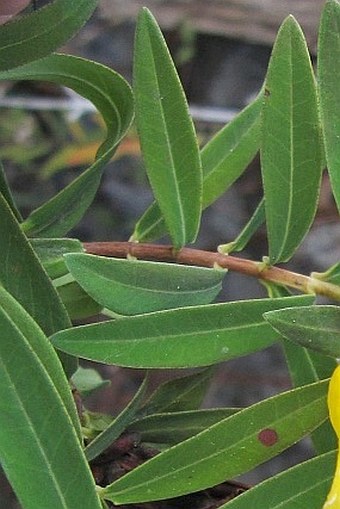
254,223
31,286
229,448
332,275
329,75
305,485
183,393
40,33
42,349
306,366
291,146
6,192
185,337
51,254
224,158
229,152
78,303
131,287
174,427
167,135
117,426
316,327
39,448
112,96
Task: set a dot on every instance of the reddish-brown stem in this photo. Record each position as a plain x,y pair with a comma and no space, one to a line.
199,258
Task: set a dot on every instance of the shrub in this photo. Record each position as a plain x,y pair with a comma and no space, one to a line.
159,297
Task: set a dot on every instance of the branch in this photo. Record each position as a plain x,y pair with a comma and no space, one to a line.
199,258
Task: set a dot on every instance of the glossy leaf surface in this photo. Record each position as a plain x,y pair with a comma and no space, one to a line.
224,158
38,34
185,337
112,96
328,76
131,287
229,448
174,427
316,327
31,287
40,451
291,146
168,141
304,485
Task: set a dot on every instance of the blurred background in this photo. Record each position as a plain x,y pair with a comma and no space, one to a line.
49,135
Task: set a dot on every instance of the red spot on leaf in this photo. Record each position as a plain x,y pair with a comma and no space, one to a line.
268,437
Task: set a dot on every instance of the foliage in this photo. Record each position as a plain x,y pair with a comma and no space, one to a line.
160,298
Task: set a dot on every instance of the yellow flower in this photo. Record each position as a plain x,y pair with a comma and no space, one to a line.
333,499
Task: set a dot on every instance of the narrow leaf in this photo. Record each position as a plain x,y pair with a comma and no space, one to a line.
167,135
31,286
332,275
185,337
38,34
329,75
51,254
39,448
112,96
42,349
224,159
117,426
183,393
130,287
88,380
229,448
173,427
254,223
305,485
316,327
6,193
79,304
291,145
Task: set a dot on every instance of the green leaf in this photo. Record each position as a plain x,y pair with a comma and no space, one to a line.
78,303
254,223
305,485
227,449
291,152
6,192
185,337
168,141
183,393
42,349
230,151
171,428
112,96
131,287
332,275
316,327
88,380
40,451
51,254
307,367
40,33
224,158
328,76
23,276
117,426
